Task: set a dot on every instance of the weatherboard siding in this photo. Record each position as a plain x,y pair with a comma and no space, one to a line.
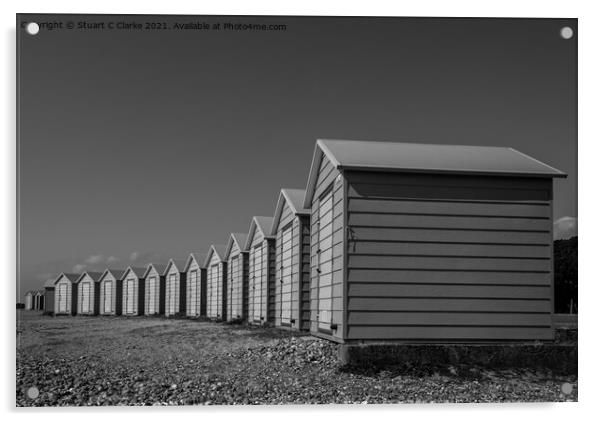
131,294
258,279
215,287
287,269
154,289
304,259
262,266
108,292
326,251
194,292
63,297
173,291
271,278
86,296
450,258
255,276
292,271
238,273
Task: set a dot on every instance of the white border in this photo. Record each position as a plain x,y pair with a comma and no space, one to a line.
590,95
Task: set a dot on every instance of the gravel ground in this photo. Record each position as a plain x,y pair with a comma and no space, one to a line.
152,361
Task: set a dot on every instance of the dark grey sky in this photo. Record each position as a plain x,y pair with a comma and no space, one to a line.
158,143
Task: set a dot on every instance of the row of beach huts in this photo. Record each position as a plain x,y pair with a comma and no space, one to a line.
389,241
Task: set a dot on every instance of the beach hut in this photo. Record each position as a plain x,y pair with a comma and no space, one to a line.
290,227
261,246
196,284
237,258
38,300
49,296
87,293
132,291
65,294
217,271
111,283
154,289
429,243
29,300
175,287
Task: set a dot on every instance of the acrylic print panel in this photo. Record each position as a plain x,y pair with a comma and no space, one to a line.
438,158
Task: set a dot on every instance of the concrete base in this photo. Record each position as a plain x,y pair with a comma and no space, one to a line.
560,358
566,335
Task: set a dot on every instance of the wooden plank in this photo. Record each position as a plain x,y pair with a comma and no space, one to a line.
325,162
450,236
384,318
457,222
439,249
325,168
390,290
337,193
446,192
447,180
257,237
450,332
325,180
285,217
451,207
450,277
448,263
337,201
447,304
336,222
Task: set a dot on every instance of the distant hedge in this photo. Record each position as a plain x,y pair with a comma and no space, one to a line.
565,275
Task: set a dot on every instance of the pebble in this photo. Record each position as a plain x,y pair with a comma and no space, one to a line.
266,367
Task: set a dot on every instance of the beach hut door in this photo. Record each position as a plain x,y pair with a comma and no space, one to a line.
152,295
172,294
129,296
194,302
257,282
85,297
286,275
62,298
325,233
235,292
108,297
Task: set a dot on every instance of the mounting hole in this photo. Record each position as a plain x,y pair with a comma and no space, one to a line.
32,28
566,388
566,32
33,392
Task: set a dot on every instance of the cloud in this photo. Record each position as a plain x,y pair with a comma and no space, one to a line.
94,259
112,259
144,258
565,227
78,268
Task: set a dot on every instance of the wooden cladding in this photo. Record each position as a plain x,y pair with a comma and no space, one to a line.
292,271
215,288
405,186
236,285
447,257
326,254
451,207
193,292
257,286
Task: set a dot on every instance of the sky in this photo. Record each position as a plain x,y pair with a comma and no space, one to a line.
142,145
